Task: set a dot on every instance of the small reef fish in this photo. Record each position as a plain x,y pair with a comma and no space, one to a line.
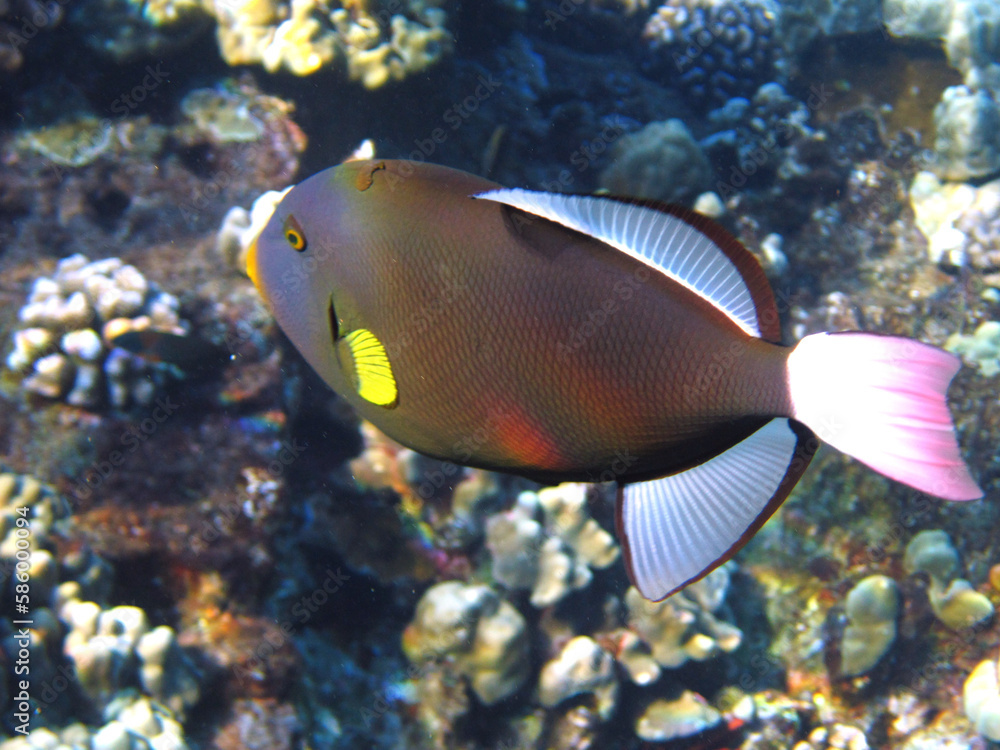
191,355
590,338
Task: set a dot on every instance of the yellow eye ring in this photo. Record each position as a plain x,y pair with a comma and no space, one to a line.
296,240
294,235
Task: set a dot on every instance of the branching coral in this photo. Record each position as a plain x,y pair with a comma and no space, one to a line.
377,42
482,637
716,49
679,628
64,348
548,543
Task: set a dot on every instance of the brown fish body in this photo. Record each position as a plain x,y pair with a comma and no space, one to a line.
590,338
627,371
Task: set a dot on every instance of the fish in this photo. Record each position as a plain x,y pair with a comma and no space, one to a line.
591,338
190,354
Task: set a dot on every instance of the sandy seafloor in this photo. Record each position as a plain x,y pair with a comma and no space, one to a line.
219,554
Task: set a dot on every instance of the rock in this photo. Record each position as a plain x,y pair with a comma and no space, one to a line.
682,627
166,673
484,636
548,543
660,162
981,349
872,609
687,716
981,699
953,600
967,134
582,666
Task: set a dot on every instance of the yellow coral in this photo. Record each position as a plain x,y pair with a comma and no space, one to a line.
303,36
301,44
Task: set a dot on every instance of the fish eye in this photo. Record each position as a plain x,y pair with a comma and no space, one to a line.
294,235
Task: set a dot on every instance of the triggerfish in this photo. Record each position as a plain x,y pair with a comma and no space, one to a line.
590,338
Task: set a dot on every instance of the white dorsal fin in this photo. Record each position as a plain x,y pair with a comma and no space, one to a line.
677,529
659,239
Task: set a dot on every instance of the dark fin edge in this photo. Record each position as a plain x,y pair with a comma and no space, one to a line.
749,267
805,448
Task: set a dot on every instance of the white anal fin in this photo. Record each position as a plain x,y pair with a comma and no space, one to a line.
679,528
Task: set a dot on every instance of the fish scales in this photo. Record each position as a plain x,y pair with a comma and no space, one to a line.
622,361
591,338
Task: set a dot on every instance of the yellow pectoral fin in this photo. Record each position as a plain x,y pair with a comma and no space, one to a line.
372,374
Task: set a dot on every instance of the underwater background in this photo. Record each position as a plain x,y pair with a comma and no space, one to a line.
202,547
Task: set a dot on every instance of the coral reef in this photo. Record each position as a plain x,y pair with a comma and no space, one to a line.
715,49
80,186
43,509
981,699
661,162
968,117
800,22
981,349
960,223
683,717
66,350
75,142
133,723
937,209
968,29
282,550
683,626
967,134
548,543
240,227
582,667
872,608
112,649
109,653
753,136
980,227
482,635
953,599
377,45
224,115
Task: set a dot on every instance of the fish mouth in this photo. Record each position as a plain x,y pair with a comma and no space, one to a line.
331,312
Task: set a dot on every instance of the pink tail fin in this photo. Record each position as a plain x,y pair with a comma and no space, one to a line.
883,400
